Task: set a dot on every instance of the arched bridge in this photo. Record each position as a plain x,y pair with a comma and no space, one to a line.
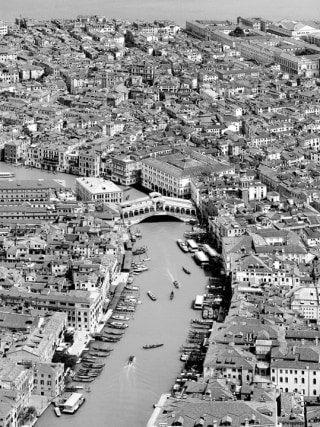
135,211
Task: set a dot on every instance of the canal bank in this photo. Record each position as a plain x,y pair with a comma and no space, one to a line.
125,394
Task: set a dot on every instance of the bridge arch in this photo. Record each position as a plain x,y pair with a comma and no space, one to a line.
157,204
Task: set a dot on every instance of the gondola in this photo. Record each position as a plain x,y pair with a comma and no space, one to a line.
149,346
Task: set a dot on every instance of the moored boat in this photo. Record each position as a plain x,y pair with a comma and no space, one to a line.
148,346
120,317
182,245
151,296
131,288
57,411
6,174
118,325
73,403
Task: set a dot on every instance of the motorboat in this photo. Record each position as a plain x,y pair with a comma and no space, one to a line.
131,359
149,346
140,268
186,270
176,284
182,245
151,296
6,174
172,295
57,411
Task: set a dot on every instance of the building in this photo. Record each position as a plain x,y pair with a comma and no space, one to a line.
125,170
297,370
171,175
48,379
84,309
99,190
28,190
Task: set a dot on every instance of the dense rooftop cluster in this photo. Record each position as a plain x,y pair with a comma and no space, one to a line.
224,114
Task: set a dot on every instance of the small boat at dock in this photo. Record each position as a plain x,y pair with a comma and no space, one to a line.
182,245
151,296
186,270
149,346
131,288
57,411
172,295
118,325
176,284
6,174
120,317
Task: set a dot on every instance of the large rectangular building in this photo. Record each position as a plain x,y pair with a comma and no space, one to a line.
98,190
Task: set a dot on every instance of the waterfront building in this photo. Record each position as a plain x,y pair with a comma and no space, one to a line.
83,308
99,190
48,379
125,170
16,150
171,175
89,162
28,190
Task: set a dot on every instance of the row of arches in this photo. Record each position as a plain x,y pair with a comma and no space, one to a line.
175,210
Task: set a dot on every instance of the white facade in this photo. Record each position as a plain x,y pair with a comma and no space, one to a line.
306,301
98,189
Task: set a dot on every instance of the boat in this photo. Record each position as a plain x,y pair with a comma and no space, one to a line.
139,251
113,332
101,348
131,359
182,245
140,268
148,346
74,388
120,317
151,296
111,339
171,295
132,288
176,284
57,411
119,325
73,403
186,270
6,175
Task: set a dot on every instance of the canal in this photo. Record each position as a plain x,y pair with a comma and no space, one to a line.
124,395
